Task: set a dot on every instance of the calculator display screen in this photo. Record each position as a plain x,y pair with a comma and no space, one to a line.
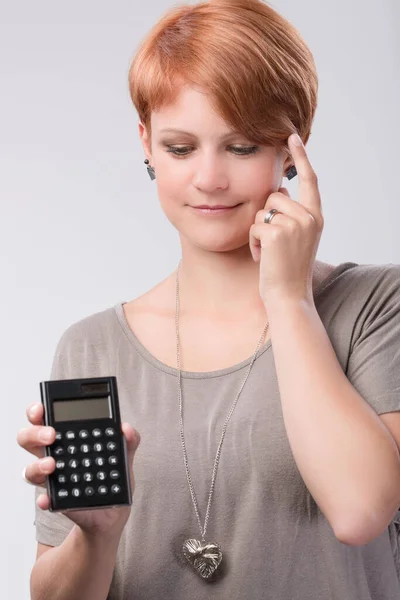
74,410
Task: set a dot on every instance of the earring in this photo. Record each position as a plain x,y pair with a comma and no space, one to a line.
292,172
150,170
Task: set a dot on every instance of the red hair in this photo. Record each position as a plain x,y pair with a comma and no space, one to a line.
258,71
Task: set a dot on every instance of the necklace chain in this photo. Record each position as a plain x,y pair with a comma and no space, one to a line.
194,499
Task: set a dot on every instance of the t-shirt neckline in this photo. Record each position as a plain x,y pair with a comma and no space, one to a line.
137,344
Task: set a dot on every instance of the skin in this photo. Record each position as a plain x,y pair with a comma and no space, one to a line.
107,522
212,173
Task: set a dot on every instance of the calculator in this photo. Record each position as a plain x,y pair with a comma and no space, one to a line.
89,449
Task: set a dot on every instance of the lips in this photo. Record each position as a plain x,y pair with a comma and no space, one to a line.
216,207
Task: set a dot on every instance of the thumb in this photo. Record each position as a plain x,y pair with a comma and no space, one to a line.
132,437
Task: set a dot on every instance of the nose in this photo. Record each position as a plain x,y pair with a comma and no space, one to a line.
210,174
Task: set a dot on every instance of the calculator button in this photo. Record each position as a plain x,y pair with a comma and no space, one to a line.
62,493
88,476
113,460
85,448
97,433
70,435
86,462
101,475
89,491
110,431
115,488
59,450
76,492
73,463
75,477
111,446
72,449
60,464
102,489
98,447
114,474
61,478
100,461
58,435
83,434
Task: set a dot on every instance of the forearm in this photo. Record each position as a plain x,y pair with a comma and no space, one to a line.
81,568
345,455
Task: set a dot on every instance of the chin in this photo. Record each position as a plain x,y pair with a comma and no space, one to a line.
216,243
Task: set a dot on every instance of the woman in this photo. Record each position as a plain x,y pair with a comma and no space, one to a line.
280,477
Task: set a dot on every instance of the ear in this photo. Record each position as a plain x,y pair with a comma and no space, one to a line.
289,162
146,142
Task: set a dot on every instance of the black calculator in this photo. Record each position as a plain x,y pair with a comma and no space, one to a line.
90,448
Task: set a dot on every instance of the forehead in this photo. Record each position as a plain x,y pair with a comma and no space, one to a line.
192,110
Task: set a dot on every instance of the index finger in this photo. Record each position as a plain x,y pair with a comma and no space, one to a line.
309,195
34,412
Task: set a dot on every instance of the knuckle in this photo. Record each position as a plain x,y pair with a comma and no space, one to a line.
313,177
22,436
276,234
29,409
311,222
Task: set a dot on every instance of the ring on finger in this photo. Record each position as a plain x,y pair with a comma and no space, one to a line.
270,215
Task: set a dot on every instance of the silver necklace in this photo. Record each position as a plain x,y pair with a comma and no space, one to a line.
205,557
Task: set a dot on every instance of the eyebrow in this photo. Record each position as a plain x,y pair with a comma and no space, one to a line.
171,130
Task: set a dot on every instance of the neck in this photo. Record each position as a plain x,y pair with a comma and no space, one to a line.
219,285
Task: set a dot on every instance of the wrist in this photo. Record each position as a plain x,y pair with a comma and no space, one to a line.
96,538
278,303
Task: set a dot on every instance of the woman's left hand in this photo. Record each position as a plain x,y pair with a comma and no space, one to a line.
286,248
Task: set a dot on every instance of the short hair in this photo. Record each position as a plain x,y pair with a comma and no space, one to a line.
259,73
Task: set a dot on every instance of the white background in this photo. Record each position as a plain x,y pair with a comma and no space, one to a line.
80,224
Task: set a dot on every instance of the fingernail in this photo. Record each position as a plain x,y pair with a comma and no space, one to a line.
33,410
45,464
45,435
297,140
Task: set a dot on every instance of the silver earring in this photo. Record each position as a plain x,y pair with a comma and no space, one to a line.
150,170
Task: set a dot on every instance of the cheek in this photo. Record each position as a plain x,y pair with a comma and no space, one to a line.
249,181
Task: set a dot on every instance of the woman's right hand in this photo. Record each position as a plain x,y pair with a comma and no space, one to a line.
104,521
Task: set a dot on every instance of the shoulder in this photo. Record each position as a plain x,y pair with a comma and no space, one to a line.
367,297
358,278
93,330
381,281
86,348
360,296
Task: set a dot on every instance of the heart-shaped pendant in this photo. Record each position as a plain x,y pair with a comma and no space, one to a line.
204,558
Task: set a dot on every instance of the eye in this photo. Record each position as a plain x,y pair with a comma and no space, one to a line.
238,150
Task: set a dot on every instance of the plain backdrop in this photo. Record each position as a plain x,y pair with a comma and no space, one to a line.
81,227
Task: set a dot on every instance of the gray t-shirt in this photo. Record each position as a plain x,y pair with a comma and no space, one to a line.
276,543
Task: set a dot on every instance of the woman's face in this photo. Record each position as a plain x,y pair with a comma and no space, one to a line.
206,163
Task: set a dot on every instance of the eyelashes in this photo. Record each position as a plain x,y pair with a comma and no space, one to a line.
183,151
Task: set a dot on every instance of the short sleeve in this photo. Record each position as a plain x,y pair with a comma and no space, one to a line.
374,361
53,528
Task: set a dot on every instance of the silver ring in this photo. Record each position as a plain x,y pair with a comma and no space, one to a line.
270,215
25,479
